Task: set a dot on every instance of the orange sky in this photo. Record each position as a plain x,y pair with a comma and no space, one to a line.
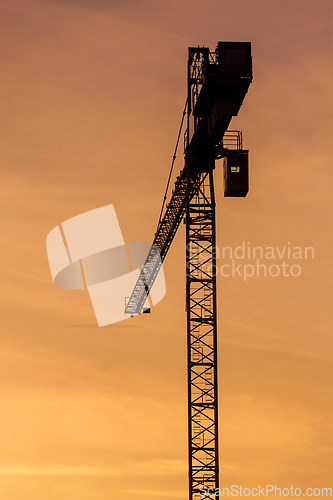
92,96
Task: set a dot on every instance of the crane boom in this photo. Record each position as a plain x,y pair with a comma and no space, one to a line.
217,84
164,235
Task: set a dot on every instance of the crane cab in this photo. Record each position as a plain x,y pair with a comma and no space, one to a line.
236,173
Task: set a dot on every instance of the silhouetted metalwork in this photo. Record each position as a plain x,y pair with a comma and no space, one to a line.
217,84
236,173
202,338
174,213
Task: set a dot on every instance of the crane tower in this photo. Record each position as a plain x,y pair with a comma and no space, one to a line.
217,83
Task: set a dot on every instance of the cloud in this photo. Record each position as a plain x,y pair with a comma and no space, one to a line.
143,468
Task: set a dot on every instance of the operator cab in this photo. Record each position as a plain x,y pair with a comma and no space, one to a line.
236,173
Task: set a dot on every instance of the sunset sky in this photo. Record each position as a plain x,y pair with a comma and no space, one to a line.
92,93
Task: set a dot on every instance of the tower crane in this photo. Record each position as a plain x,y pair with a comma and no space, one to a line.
217,82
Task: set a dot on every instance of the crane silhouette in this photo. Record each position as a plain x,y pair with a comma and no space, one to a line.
217,83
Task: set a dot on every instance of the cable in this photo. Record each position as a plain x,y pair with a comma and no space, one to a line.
172,164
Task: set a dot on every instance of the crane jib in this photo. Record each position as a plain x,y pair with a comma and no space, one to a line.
165,233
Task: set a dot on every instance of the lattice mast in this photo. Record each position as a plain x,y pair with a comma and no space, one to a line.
202,338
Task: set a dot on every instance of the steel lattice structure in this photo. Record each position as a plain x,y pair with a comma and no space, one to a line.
216,86
202,338
165,233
